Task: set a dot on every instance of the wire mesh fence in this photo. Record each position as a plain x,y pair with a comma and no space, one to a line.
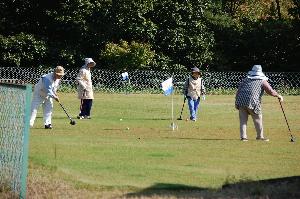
14,134
149,81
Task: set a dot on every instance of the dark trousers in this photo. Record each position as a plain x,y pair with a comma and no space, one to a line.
85,107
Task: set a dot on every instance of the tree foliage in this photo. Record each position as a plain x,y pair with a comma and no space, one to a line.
183,35
21,49
172,34
127,56
295,10
248,39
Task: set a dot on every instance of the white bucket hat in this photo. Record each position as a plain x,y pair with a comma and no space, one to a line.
89,60
195,70
256,73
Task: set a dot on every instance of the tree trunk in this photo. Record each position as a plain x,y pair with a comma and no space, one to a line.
278,9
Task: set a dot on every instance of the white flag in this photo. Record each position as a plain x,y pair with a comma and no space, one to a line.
167,86
125,76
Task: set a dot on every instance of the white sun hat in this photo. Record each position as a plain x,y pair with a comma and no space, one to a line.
59,70
256,73
89,60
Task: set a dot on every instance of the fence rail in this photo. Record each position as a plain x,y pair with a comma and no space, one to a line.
149,81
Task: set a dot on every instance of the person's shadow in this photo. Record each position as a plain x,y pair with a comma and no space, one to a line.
279,188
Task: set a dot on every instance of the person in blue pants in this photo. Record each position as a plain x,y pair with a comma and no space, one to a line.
193,89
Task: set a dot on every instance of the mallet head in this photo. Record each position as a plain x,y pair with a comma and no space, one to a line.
72,122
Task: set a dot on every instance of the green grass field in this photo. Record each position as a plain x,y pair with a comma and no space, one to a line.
100,158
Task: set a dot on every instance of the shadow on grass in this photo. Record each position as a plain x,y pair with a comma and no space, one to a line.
142,119
183,138
288,187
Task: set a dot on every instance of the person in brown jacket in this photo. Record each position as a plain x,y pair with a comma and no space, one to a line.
85,89
193,89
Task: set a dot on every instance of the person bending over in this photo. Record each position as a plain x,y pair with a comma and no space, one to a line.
248,101
44,91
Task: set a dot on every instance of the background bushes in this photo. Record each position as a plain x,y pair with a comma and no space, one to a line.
151,34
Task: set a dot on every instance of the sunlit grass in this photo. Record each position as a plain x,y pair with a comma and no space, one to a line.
101,154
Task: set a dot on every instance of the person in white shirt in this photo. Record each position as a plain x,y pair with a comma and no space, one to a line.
44,93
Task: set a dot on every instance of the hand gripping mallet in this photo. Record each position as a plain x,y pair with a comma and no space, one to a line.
72,122
180,118
293,139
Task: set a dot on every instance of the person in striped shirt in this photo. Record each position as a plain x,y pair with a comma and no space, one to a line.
248,101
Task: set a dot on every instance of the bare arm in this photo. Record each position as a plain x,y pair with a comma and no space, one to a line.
270,90
267,87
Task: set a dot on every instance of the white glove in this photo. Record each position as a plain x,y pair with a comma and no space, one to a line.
203,97
280,98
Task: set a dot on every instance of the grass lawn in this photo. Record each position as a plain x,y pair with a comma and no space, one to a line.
100,158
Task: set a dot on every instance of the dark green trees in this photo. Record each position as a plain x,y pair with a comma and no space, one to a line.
150,34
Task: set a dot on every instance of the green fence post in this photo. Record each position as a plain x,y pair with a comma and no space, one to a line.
26,142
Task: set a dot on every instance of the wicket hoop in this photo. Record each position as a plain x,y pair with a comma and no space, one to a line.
15,102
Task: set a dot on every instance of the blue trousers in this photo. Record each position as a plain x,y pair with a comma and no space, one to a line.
193,106
85,107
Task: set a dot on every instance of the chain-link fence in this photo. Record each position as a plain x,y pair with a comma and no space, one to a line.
15,103
149,81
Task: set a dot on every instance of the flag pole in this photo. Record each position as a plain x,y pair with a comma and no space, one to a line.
168,89
173,125
172,114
